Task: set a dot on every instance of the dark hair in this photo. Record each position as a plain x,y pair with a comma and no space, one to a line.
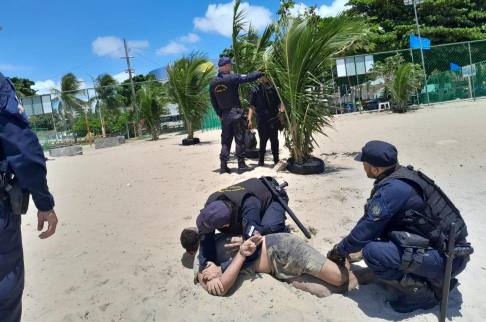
190,239
230,205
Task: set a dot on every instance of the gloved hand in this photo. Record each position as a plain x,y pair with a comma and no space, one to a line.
336,256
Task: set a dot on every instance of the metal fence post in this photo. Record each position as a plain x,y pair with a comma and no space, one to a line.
471,64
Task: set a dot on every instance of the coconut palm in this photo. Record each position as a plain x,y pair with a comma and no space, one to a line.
298,64
107,98
187,87
153,103
406,79
248,49
67,98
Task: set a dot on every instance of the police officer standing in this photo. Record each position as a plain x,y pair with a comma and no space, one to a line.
404,230
264,100
23,170
223,91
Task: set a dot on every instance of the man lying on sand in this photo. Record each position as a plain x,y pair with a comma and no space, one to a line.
284,256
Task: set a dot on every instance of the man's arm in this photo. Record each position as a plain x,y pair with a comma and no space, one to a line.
24,155
242,79
229,276
214,103
386,203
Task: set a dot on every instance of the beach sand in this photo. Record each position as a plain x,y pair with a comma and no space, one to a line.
116,255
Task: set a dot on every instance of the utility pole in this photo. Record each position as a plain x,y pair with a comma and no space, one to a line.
134,98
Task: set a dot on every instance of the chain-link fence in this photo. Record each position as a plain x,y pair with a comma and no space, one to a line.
453,71
69,117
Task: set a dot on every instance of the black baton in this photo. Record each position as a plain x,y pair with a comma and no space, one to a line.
452,252
284,205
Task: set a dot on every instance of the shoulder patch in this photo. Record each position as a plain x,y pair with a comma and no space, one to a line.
376,209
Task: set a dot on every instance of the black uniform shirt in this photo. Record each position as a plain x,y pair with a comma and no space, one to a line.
266,101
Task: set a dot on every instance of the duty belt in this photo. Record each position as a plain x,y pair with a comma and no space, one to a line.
237,109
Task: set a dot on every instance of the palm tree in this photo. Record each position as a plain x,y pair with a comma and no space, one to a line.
187,87
406,79
248,49
298,64
67,98
107,98
153,103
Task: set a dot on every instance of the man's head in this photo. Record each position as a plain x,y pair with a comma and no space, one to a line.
190,240
217,214
225,64
377,157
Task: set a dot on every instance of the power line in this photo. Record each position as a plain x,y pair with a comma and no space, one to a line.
92,61
150,60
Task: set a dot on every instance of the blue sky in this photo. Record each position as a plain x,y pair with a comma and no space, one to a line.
42,40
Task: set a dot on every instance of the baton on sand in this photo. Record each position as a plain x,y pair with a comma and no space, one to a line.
452,251
275,194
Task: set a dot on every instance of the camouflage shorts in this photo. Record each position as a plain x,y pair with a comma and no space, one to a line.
290,256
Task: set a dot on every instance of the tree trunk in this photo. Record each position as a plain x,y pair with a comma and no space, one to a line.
190,132
155,135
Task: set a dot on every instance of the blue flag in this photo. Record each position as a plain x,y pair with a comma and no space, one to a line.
455,67
415,43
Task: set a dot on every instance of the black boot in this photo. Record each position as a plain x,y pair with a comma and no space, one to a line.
415,295
242,167
437,286
261,161
224,168
275,159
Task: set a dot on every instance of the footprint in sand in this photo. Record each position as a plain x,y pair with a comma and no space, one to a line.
446,142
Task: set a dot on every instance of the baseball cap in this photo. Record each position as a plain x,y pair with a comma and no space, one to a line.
378,154
214,215
225,61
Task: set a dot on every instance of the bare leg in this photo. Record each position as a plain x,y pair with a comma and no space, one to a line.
321,288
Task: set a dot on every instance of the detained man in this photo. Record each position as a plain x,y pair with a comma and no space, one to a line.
282,255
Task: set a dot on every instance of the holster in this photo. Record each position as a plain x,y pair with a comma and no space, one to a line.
241,124
18,198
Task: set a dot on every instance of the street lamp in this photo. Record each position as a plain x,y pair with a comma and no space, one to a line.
414,3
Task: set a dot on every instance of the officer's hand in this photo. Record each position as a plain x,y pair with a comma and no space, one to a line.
211,271
336,256
282,120
250,124
51,218
215,287
250,245
220,119
234,244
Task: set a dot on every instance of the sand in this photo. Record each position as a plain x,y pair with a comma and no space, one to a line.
116,255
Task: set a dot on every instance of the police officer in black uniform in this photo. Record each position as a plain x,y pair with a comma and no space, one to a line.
404,230
265,102
245,208
22,171
223,91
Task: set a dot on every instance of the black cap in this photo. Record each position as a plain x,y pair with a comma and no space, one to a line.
225,61
378,154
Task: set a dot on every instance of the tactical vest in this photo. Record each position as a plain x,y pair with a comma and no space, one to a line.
239,192
267,102
433,219
225,92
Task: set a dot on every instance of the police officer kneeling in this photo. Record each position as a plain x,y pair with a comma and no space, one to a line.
22,171
404,231
223,91
247,209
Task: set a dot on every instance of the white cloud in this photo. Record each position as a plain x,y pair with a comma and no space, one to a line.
44,87
335,8
114,46
172,48
190,38
219,18
11,67
121,77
